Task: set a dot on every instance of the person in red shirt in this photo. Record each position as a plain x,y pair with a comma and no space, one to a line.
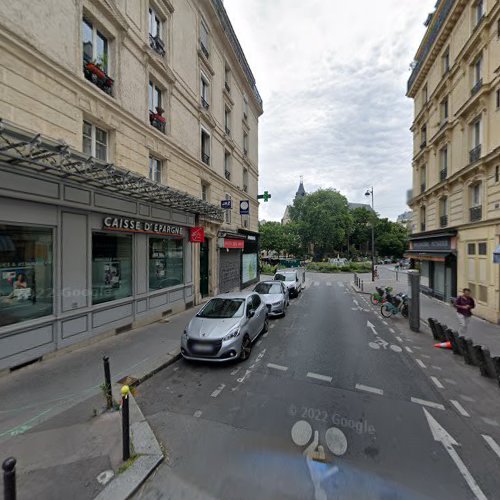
464,305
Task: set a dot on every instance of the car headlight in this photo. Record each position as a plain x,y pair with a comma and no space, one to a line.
232,334
185,335
277,303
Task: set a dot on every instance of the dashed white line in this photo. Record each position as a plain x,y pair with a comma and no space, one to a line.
460,408
450,381
489,421
385,322
328,283
367,388
399,339
417,347
436,381
259,342
431,404
420,363
218,390
340,284
392,330
493,444
436,367
467,398
319,376
197,413
265,335
316,283
277,367
426,356
408,349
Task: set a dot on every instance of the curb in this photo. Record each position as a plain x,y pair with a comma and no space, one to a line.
145,444
357,290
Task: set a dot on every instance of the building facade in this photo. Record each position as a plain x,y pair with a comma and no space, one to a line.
122,132
455,86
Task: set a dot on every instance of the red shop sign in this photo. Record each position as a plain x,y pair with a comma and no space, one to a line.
197,234
234,243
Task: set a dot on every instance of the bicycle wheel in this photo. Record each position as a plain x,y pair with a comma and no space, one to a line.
386,311
374,299
404,310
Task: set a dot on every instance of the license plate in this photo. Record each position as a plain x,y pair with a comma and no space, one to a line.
202,348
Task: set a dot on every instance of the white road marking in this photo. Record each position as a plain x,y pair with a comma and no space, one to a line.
441,435
354,308
408,349
367,388
316,283
301,432
277,367
340,284
450,381
259,342
493,444
489,421
272,326
319,376
385,322
197,413
436,381
336,441
420,363
105,477
436,367
392,330
265,335
459,407
328,283
417,347
467,398
423,402
234,372
396,348
372,327
426,356
218,390
399,339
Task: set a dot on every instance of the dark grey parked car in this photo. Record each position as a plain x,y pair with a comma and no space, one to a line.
225,328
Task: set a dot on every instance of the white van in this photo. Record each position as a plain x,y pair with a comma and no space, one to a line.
294,278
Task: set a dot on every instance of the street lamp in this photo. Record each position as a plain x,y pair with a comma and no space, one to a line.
368,193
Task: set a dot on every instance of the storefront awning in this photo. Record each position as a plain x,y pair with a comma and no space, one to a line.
433,256
21,148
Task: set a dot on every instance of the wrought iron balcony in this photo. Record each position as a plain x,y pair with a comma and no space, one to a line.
157,121
423,186
204,103
227,175
157,44
477,87
443,174
95,73
476,213
422,227
443,220
227,87
475,154
205,158
204,49
228,131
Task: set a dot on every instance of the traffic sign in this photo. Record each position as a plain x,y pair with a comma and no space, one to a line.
244,207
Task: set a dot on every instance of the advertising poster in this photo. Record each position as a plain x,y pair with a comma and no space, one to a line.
249,267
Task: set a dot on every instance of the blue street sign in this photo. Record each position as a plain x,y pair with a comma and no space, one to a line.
227,204
244,207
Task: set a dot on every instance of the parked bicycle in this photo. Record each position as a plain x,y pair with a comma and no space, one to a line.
380,295
395,304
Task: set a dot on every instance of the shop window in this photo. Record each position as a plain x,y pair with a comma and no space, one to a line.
471,249
95,141
26,276
166,263
482,248
111,267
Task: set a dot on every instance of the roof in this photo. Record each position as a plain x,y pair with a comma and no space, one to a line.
19,148
301,190
352,206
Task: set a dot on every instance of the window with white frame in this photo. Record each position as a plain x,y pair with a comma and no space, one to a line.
478,12
205,191
478,70
245,180
227,78
443,162
155,169
245,143
95,141
444,110
446,61
227,212
154,24
204,91
245,106
424,94
423,136
476,133
423,178
204,38
205,147
227,165
475,194
227,120
155,98
443,206
95,46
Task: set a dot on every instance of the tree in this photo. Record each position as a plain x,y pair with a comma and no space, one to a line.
360,236
323,220
391,238
271,237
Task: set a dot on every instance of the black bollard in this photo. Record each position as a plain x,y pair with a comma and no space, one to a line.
9,478
125,423
107,382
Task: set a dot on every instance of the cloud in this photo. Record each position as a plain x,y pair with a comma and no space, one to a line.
333,79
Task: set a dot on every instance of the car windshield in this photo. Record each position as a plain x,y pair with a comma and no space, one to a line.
265,288
223,308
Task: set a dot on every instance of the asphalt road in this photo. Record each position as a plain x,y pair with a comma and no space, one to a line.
332,404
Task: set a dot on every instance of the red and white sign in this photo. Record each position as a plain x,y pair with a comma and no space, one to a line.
228,243
197,234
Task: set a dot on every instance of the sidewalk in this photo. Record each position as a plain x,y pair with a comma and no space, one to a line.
482,332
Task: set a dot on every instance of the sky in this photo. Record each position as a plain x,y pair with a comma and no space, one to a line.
333,76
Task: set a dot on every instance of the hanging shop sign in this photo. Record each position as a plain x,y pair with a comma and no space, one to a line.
124,224
197,234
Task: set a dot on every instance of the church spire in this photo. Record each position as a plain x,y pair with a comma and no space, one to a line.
301,191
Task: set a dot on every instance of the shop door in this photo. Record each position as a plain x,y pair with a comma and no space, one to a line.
204,268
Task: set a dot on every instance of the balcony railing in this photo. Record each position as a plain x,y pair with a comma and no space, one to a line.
157,121
228,131
227,175
205,158
477,87
157,44
204,49
227,87
95,74
443,220
476,213
423,186
204,103
475,154
443,174
422,226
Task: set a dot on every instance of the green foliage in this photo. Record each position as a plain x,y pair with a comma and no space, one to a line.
268,269
391,238
275,237
352,267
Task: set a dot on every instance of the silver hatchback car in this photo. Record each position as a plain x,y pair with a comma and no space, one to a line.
225,328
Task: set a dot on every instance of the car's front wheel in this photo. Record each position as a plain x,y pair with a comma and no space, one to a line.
246,348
